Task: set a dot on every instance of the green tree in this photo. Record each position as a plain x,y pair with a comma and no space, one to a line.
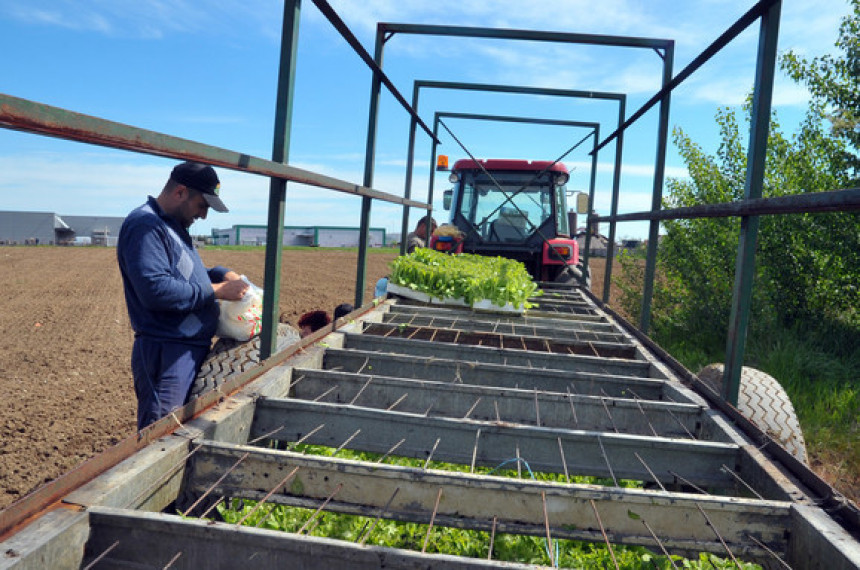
835,83
808,265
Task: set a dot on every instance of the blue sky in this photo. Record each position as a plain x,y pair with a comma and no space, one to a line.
207,70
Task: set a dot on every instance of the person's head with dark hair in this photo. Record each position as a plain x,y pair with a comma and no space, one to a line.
342,310
312,321
425,226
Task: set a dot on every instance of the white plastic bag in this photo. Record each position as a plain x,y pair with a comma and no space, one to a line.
243,319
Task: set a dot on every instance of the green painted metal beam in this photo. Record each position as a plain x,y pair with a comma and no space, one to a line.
278,186
756,158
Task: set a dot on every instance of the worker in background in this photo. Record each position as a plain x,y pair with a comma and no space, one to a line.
418,237
312,321
170,295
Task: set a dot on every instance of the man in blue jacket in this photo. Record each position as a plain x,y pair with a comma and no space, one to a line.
171,296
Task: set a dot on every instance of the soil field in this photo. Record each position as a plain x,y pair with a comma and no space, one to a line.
65,346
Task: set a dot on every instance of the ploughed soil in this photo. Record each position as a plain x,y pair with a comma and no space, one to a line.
65,346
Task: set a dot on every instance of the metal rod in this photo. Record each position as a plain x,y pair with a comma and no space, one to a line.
519,463
653,476
769,551
102,555
606,409
690,483
741,481
603,532
345,443
29,116
475,450
537,409
472,409
716,532
390,451
432,519
572,409
306,436
172,560
546,525
563,460
352,402
216,483
395,404
283,482
841,200
320,508
378,516
606,459
326,393
432,451
267,435
492,538
644,415
660,544
212,506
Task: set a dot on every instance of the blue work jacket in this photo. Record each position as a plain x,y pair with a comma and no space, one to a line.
168,291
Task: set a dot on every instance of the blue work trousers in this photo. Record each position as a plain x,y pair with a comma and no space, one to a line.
164,372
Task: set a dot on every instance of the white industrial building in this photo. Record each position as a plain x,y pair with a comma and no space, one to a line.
48,228
311,236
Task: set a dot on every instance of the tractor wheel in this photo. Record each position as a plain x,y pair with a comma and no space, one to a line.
229,357
764,401
572,275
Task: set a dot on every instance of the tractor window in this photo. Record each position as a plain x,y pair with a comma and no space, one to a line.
508,212
562,224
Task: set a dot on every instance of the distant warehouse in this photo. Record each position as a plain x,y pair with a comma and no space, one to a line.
48,228
311,236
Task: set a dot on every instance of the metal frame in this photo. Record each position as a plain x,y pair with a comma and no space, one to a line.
103,493
616,176
595,131
663,47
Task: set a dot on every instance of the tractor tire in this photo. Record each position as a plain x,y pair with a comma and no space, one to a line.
764,402
572,275
229,357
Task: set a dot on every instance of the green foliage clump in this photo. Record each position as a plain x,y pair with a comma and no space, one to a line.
466,276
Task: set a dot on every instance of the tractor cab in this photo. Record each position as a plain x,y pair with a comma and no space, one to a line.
515,209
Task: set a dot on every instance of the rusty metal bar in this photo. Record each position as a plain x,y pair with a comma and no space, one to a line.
29,116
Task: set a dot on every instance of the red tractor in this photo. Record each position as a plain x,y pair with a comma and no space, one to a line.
515,209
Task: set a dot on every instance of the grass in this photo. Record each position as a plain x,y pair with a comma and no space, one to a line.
825,392
822,383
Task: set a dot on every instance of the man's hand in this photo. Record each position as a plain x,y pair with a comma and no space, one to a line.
231,290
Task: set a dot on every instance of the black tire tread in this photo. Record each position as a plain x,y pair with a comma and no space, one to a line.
229,357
